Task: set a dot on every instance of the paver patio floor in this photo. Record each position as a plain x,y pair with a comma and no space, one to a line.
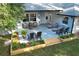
52,41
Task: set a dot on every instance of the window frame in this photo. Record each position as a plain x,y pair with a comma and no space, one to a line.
31,17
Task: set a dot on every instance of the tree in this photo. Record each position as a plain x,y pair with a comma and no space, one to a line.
9,15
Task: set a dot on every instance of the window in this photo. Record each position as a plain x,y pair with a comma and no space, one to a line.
31,17
27,17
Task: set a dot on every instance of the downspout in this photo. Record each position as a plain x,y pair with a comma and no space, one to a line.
72,24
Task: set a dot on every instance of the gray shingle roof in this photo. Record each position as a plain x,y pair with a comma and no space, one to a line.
41,6
68,8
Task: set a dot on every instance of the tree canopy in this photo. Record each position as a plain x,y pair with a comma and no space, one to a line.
10,13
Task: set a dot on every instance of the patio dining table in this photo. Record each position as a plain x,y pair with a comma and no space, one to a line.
56,29
60,27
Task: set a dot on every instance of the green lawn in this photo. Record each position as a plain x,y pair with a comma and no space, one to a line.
70,48
4,50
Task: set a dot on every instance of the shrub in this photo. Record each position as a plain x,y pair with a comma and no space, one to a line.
15,33
32,43
23,45
15,40
61,37
40,42
14,36
15,45
71,35
67,36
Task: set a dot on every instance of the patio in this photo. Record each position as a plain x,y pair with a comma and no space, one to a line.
47,33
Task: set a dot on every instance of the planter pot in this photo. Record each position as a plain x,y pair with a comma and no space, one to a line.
23,36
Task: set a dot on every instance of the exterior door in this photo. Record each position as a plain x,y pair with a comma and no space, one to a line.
48,18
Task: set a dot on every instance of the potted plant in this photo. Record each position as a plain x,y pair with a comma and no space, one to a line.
23,32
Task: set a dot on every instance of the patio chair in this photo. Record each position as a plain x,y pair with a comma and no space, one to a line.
60,31
38,35
56,25
49,25
66,30
32,36
30,25
35,24
25,25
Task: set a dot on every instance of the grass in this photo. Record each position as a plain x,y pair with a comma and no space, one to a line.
4,50
70,48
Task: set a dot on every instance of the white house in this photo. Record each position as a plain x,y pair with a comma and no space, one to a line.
43,13
51,13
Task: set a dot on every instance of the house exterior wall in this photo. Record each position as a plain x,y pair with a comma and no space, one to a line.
76,25
70,23
56,18
41,17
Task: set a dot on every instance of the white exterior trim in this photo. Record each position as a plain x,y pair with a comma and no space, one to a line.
76,27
